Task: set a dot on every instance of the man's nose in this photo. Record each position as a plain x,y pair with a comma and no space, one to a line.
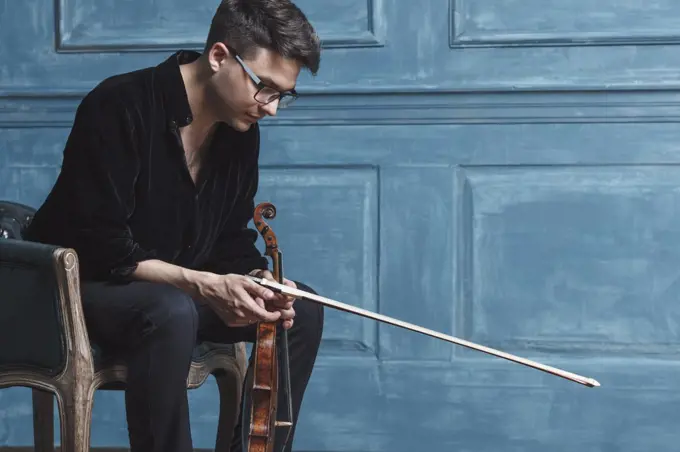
271,107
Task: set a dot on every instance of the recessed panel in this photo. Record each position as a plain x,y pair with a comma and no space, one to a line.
418,279
326,226
570,259
87,25
553,22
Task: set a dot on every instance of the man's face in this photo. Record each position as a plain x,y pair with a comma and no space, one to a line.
235,97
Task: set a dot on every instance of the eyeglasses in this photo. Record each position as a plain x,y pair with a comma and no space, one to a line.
266,94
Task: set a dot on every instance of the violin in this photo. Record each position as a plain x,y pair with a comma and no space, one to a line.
270,358
263,421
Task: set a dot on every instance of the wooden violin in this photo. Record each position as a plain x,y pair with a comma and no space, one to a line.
263,421
270,360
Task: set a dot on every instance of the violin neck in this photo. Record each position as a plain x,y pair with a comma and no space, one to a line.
277,263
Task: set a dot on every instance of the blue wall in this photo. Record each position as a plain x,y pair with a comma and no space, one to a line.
503,171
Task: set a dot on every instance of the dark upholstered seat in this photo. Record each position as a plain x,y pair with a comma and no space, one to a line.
41,317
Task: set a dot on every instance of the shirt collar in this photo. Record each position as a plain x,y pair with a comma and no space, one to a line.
173,89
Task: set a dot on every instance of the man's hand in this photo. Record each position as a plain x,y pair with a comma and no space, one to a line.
239,301
280,301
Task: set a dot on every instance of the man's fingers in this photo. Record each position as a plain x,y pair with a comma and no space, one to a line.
282,303
287,313
256,289
277,299
250,305
260,302
262,313
266,274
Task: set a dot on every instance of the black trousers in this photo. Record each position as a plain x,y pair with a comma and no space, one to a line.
155,327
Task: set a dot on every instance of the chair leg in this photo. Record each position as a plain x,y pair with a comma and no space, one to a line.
43,420
75,413
230,405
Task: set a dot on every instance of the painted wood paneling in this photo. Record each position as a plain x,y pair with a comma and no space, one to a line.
503,171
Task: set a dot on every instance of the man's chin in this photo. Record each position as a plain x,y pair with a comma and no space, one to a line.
240,125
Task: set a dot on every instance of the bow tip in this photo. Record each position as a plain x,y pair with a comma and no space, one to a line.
593,383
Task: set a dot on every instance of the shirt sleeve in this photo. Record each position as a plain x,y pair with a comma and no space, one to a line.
102,163
235,249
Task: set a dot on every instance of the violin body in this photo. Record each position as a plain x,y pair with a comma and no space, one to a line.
264,392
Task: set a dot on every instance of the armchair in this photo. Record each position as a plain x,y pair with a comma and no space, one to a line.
40,313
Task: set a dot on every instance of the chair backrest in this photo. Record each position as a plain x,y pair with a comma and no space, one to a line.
14,219
31,297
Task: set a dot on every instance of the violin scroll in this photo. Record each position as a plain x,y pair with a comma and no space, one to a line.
266,210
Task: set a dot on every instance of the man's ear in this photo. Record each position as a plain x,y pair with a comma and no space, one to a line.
217,56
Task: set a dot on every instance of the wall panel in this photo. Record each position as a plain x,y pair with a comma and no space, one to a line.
502,171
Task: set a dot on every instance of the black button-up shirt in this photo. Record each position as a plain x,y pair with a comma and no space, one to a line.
125,194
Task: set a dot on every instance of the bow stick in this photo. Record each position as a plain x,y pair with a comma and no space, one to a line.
276,287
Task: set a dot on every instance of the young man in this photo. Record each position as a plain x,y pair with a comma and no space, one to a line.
155,193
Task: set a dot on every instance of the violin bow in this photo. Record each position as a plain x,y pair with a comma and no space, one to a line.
300,294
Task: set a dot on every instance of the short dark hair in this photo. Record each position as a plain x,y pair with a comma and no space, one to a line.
277,25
